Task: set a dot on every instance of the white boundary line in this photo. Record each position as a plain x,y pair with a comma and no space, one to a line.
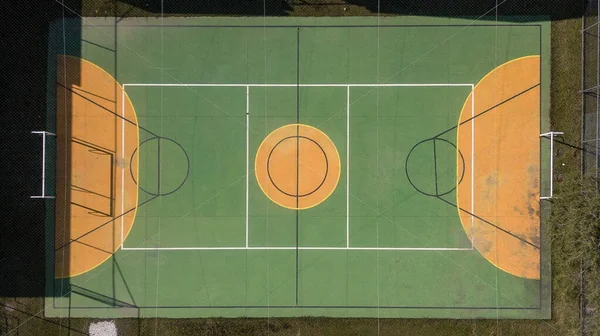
294,85
247,155
347,247
318,248
123,164
348,166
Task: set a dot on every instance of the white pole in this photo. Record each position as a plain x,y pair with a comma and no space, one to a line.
551,164
44,164
43,133
550,135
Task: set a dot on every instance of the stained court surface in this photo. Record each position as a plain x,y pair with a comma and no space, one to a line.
325,167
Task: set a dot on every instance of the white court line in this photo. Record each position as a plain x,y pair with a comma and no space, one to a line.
348,166
122,164
295,85
316,248
247,247
247,153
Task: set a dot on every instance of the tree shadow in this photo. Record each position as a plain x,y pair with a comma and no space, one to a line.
555,9
24,240
26,34
510,10
215,7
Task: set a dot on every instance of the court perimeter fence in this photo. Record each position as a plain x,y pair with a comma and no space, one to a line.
590,90
22,262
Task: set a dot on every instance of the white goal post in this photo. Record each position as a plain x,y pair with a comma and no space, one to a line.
550,135
43,188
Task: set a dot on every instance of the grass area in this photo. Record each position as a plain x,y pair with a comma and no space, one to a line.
26,314
565,115
576,224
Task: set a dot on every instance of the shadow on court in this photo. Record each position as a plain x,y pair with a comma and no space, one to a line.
215,7
26,76
25,94
24,238
555,9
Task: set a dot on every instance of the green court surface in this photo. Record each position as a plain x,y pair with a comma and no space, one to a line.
390,240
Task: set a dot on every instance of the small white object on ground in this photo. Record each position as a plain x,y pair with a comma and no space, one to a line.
103,328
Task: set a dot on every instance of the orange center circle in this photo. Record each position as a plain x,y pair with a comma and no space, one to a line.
297,166
298,156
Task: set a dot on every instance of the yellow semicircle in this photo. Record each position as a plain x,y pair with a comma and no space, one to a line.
501,152
96,195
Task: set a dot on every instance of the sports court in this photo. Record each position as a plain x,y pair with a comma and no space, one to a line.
365,167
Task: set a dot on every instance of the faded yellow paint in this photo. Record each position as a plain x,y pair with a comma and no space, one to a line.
297,166
503,162
94,186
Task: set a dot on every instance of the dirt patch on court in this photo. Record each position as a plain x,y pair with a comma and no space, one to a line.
501,187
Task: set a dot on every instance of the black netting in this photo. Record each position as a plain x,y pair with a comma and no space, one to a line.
26,242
